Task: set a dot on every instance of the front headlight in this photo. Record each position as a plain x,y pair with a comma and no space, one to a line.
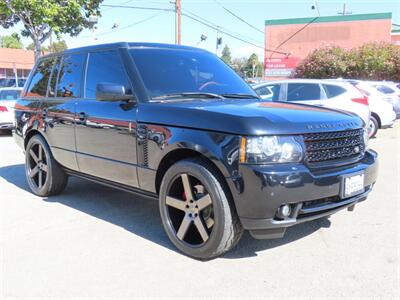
270,149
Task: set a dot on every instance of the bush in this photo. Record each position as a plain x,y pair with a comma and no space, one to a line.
372,61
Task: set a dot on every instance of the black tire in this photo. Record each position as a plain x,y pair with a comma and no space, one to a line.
44,175
373,127
212,230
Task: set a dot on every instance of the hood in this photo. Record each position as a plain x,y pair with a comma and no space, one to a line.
247,117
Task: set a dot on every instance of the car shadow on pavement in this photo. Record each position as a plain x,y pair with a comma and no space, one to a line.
141,216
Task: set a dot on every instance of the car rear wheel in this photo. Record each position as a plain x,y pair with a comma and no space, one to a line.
44,175
196,210
373,127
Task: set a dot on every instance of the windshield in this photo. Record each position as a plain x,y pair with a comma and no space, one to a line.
176,71
9,94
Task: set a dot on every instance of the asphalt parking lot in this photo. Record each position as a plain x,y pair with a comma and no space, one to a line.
96,242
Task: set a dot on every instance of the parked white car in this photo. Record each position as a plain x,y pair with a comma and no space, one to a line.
8,97
382,111
327,93
390,93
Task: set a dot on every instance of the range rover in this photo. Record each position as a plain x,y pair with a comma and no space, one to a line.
176,124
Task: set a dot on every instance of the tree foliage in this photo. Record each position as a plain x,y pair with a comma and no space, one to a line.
253,66
41,18
58,46
372,61
11,41
226,55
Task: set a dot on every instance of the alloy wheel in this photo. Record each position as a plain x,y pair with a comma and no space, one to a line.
190,210
37,168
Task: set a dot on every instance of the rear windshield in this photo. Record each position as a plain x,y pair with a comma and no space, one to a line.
9,94
170,71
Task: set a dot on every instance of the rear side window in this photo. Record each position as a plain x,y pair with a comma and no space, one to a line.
40,79
333,90
303,91
105,67
70,75
384,89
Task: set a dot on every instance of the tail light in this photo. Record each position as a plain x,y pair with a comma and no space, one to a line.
3,109
363,100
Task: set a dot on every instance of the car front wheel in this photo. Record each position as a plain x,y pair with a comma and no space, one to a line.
196,210
373,127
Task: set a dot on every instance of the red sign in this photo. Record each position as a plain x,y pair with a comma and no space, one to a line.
281,63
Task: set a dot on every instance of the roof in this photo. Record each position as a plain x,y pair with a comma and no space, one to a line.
128,45
305,80
330,19
23,59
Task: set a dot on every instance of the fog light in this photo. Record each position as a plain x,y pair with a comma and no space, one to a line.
283,211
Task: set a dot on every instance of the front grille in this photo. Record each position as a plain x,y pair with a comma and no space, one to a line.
334,146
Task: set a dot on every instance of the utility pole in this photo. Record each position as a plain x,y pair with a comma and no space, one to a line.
178,22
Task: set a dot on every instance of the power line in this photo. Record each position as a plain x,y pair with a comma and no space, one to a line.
237,17
201,21
220,27
231,35
127,26
138,7
293,35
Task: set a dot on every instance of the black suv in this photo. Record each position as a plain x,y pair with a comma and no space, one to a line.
177,124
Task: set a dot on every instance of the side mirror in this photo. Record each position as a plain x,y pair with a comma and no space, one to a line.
111,92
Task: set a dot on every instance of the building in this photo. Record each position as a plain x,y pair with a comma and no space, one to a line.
298,37
15,60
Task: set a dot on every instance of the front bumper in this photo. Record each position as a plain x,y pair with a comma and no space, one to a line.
311,193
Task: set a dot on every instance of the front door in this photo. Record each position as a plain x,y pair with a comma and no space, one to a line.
106,130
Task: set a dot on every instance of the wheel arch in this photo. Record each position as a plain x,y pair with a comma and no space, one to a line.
179,154
30,134
376,117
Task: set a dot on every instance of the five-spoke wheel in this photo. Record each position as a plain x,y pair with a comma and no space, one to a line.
190,210
44,175
37,166
196,210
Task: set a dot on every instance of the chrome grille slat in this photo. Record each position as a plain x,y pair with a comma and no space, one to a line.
332,146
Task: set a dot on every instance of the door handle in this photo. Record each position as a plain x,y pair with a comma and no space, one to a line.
82,117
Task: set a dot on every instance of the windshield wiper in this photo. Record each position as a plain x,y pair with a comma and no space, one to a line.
188,95
240,96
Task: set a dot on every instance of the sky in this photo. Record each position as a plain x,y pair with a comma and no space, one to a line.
134,25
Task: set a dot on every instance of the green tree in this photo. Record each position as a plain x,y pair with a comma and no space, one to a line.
58,46
11,41
253,66
41,18
226,55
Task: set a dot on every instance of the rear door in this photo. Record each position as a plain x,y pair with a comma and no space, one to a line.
307,93
65,89
106,130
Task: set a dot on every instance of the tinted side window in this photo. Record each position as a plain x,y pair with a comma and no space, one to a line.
53,78
70,74
263,91
333,90
40,79
384,89
303,91
105,67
